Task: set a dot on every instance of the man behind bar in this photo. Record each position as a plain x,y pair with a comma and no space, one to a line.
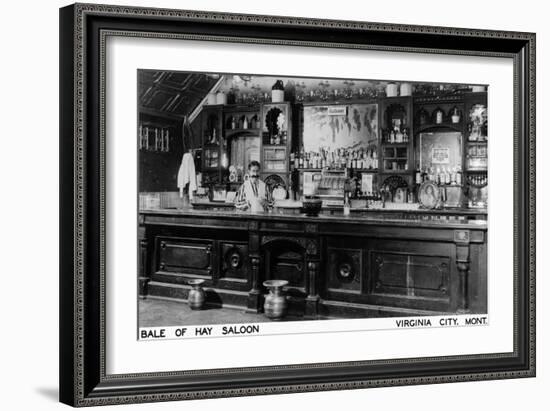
253,194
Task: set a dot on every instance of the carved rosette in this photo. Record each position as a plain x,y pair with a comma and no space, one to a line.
233,259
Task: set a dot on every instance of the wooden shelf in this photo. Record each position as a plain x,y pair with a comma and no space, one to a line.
309,169
241,130
274,145
396,171
361,170
242,107
455,126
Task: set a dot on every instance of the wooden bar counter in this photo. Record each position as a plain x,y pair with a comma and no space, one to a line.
363,265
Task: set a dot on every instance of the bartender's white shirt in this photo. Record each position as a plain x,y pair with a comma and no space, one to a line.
249,190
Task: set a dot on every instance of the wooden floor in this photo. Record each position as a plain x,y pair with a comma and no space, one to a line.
165,313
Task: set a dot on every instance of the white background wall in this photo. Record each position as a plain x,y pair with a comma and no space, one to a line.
29,205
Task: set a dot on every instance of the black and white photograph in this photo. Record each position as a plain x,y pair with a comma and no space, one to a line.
263,204
268,198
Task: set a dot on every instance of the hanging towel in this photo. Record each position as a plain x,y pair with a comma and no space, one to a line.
186,174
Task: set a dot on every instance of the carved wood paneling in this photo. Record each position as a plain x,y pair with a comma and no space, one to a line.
234,260
345,269
410,274
185,256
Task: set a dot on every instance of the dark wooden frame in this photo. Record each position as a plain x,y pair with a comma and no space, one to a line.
83,29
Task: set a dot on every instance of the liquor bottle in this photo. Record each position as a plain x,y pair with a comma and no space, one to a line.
447,176
296,160
347,205
245,123
459,177
398,136
437,177
453,176
418,178
439,116
301,160
375,160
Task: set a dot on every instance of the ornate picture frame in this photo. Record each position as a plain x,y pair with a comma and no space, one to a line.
84,30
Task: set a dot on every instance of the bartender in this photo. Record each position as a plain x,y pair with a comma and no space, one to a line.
253,195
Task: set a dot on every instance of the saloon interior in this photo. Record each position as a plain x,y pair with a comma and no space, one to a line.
375,200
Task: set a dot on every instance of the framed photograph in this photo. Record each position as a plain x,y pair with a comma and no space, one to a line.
261,204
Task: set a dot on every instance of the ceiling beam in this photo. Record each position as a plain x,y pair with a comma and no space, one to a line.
198,109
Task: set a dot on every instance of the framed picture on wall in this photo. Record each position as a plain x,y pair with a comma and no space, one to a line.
263,204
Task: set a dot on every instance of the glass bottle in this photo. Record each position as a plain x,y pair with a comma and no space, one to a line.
418,178
347,206
438,116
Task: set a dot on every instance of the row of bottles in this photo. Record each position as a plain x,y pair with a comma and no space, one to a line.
438,116
479,180
243,122
335,159
396,136
278,139
440,175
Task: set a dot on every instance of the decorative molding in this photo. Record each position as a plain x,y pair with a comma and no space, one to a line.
462,236
272,238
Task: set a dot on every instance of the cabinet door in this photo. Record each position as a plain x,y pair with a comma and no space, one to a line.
234,270
345,270
412,274
185,256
